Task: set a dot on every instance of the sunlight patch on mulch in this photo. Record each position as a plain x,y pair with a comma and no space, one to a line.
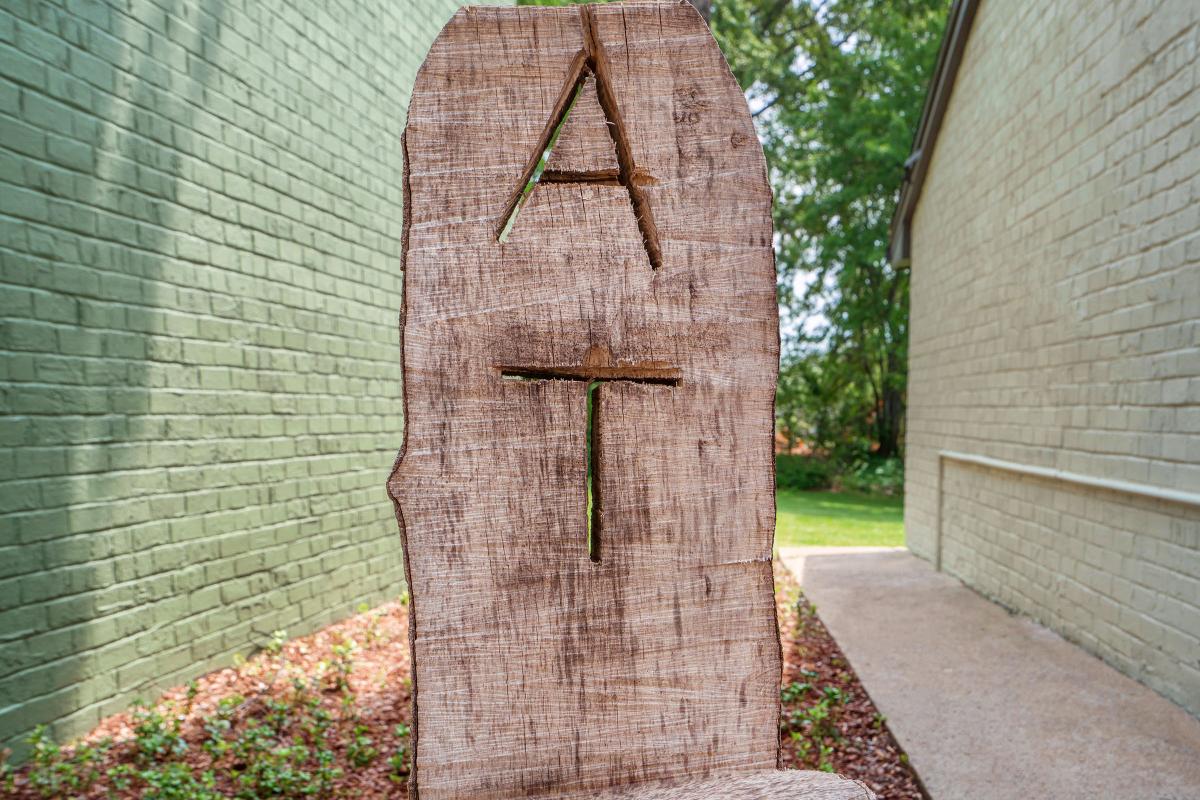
332,708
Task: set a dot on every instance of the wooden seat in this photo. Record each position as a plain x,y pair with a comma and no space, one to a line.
773,785
586,489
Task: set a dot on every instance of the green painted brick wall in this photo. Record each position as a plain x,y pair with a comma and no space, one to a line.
200,211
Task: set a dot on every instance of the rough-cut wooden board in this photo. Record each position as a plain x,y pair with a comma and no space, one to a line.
538,671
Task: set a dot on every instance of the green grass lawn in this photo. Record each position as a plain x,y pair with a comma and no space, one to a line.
838,519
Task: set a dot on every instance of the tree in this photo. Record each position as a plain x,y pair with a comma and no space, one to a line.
836,88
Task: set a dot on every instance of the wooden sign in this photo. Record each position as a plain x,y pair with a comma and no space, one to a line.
590,346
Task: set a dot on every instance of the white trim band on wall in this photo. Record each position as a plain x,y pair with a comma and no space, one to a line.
1049,473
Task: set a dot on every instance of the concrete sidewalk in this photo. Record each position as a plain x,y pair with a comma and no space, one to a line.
990,706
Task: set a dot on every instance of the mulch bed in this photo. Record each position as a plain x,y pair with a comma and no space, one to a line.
354,676
860,744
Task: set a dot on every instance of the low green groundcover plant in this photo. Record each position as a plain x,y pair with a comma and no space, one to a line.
324,717
875,476
800,473
299,722
828,721
289,750
884,476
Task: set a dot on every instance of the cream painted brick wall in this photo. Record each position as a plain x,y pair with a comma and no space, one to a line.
1056,323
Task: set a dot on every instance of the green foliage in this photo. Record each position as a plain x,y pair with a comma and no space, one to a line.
56,773
177,781
793,692
272,768
276,642
836,88
810,718
261,747
343,663
824,406
875,476
398,760
361,748
8,777
799,473
286,754
156,740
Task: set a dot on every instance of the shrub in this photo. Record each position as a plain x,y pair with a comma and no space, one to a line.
875,476
801,472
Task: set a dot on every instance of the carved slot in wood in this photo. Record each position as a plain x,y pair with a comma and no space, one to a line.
539,166
603,177
598,62
589,64
653,374
595,378
593,469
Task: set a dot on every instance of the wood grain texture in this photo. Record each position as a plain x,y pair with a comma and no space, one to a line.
585,143
781,785
537,671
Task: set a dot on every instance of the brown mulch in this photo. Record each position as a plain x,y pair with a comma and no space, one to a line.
375,696
862,747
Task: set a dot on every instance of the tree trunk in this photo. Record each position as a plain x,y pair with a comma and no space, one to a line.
891,412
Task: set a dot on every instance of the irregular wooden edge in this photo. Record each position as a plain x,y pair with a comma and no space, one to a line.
758,785
393,476
777,785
